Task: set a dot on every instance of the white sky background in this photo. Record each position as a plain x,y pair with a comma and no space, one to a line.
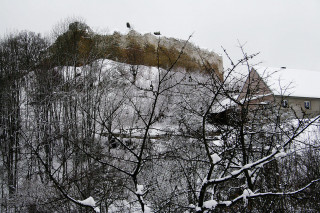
285,32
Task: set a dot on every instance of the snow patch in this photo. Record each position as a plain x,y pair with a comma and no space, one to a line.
234,172
192,206
246,193
215,158
147,209
249,165
280,154
96,209
205,180
88,202
139,190
210,204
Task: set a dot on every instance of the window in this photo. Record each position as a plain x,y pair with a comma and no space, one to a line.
284,103
307,105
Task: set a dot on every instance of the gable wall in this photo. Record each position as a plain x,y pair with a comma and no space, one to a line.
255,84
297,104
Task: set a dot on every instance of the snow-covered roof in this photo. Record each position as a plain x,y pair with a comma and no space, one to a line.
293,82
224,104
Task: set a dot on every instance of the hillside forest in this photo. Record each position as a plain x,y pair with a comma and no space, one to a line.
142,123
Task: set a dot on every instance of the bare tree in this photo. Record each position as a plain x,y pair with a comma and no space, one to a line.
245,165
97,136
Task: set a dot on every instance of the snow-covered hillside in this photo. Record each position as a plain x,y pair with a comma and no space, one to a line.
138,84
114,137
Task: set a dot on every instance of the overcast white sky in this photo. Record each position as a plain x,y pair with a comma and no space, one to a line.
286,32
